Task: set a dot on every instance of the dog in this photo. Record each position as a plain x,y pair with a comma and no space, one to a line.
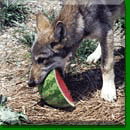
57,41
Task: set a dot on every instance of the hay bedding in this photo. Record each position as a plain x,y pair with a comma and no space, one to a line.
15,63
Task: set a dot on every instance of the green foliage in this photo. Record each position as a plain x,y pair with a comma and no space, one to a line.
24,34
120,24
7,116
12,10
85,49
28,38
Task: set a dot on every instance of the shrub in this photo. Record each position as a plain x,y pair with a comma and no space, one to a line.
24,34
12,10
85,49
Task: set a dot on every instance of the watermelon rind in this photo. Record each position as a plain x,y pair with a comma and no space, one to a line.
71,103
51,92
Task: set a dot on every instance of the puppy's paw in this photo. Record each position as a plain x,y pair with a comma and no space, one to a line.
108,92
93,58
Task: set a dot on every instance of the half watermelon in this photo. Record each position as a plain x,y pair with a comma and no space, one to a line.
55,92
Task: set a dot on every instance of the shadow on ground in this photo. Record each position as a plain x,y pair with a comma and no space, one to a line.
88,82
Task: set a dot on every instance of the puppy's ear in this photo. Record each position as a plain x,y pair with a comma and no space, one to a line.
42,22
60,31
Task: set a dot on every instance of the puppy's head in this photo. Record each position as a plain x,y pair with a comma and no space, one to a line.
48,52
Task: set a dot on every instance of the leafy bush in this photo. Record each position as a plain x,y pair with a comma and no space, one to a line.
85,49
12,10
120,24
24,34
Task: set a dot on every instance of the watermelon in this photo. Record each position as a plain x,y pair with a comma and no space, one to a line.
55,92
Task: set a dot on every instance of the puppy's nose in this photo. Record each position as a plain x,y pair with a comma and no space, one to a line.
31,83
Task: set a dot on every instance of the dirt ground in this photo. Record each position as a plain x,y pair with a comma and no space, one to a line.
84,83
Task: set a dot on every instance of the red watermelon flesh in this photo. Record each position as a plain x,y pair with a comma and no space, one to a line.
62,86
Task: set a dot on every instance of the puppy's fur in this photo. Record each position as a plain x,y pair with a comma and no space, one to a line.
57,40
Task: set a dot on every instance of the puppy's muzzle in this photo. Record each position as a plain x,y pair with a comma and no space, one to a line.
31,83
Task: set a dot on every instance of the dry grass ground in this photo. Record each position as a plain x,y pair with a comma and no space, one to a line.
85,86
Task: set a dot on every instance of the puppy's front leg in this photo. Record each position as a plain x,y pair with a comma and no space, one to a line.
108,90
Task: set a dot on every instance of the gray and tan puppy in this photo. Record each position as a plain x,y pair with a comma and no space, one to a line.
57,40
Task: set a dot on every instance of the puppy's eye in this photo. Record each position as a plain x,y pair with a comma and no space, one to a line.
40,60
53,44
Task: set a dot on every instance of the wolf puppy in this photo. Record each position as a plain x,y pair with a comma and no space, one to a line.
58,40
